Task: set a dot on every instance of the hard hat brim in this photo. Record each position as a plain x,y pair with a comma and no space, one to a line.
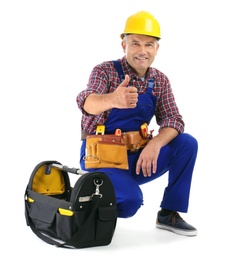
122,35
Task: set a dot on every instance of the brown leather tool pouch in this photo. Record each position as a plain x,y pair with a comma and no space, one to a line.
134,141
106,151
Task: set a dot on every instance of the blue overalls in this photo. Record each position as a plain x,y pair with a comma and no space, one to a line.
178,157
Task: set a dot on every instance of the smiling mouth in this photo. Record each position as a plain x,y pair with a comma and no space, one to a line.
139,58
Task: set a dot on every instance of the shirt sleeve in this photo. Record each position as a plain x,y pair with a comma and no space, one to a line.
98,83
167,112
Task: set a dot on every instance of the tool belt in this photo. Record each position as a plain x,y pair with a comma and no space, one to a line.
110,150
134,141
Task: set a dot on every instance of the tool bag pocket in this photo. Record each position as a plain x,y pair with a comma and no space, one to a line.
43,217
48,220
106,151
101,226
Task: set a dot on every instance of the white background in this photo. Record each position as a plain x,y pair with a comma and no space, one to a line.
47,50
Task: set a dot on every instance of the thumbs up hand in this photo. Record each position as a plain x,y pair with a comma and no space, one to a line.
125,97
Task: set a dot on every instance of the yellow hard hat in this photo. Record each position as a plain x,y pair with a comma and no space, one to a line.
142,23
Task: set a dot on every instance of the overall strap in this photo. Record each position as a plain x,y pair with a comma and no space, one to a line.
118,67
151,83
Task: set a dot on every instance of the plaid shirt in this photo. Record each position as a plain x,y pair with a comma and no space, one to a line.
104,78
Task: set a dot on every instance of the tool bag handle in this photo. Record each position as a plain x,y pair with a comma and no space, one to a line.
68,169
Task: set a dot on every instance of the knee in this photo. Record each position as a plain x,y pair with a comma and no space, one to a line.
189,141
128,207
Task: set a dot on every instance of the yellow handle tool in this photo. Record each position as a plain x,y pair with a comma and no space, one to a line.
100,130
66,212
144,130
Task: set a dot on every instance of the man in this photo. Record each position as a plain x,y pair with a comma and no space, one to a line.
144,93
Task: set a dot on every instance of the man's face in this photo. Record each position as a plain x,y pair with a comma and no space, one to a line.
140,51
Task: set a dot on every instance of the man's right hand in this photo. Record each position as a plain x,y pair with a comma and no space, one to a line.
125,97
122,97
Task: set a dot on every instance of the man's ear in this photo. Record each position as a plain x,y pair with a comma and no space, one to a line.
123,44
157,48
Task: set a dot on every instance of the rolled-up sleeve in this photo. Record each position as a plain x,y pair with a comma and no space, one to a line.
81,98
97,84
167,114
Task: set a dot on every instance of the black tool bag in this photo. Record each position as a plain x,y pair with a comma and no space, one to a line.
74,217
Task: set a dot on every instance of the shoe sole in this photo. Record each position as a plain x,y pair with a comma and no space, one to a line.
190,233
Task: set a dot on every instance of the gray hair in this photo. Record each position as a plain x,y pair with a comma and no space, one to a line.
126,35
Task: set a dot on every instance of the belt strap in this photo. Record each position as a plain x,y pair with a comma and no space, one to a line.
133,140
84,134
